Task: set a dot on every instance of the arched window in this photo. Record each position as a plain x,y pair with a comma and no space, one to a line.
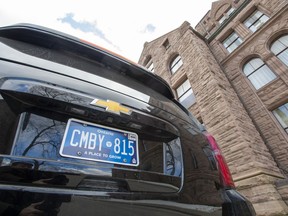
176,64
258,73
280,49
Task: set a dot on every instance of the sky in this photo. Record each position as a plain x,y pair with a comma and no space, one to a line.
122,26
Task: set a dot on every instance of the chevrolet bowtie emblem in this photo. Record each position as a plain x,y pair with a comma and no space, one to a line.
111,106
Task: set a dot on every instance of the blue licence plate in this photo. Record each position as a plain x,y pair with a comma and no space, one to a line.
87,141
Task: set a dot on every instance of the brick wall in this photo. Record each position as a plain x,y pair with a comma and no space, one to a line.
260,103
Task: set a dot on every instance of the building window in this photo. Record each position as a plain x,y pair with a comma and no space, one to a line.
176,64
280,49
223,18
226,16
166,44
258,73
281,114
185,94
232,42
255,20
151,67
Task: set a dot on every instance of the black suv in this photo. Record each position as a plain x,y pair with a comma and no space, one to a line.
86,132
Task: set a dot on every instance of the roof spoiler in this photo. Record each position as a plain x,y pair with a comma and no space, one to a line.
42,36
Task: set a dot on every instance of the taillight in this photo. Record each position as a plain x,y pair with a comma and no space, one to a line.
225,175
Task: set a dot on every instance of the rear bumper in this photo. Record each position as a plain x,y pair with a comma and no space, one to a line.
236,205
18,199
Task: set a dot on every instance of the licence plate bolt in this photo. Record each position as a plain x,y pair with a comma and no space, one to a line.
79,153
84,125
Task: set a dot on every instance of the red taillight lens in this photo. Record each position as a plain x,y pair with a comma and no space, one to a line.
225,174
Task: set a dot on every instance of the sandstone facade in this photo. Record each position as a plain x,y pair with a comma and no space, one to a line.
239,116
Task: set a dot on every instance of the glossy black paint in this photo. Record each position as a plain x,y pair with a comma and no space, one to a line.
47,78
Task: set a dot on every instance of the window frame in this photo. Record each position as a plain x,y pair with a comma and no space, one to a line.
282,122
233,42
149,64
222,19
166,44
175,64
151,67
258,70
226,15
253,27
281,52
186,93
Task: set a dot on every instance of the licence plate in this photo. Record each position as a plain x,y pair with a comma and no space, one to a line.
87,141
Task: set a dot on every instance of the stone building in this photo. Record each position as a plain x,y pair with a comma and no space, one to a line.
231,72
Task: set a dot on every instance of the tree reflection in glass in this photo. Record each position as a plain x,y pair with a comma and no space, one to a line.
39,137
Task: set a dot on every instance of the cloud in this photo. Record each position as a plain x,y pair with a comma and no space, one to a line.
85,26
149,28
